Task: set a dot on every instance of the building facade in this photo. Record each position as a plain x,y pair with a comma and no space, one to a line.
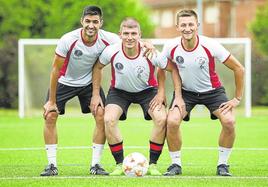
220,18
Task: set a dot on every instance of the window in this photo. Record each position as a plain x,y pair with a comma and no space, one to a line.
167,19
212,15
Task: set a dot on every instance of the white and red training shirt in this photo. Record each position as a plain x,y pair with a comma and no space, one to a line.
131,74
80,58
197,67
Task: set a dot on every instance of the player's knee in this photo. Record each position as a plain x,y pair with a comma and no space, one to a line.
99,116
161,121
173,122
228,123
109,121
51,118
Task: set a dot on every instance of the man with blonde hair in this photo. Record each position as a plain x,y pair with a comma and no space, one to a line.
133,81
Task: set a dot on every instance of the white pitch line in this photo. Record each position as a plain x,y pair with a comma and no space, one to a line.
145,177
127,147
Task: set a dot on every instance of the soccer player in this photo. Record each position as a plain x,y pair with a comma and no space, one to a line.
133,81
71,75
195,57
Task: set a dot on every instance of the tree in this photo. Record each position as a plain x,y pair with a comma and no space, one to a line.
259,28
51,19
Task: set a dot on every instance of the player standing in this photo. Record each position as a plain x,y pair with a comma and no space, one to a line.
133,81
71,76
195,58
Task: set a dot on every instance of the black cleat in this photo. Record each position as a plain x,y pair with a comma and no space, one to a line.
50,170
173,169
97,170
223,170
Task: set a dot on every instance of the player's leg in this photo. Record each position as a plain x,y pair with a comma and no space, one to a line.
113,135
173,136
157,138
98,144
226,141
98,137
174,141
227,135
115,109
51,140
64,93
159,128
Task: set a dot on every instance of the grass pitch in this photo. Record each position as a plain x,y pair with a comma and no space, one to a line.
23,156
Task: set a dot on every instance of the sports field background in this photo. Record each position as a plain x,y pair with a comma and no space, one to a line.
23,157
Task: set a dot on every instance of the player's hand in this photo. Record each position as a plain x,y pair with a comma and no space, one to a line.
157,102
96,101
149,50
179,102
49,107
229,105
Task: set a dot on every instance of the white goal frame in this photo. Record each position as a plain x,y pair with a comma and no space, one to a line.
21,66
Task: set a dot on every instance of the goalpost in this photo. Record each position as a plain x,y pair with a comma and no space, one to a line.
38,46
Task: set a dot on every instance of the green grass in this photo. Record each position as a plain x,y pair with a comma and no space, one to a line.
200,135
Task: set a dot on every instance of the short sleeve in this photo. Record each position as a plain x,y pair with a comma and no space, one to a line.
220,53
114,39
106,55
160,60
109,38
166,51
62,47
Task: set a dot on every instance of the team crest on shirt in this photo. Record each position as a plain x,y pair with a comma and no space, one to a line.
201,61
139,71
77,54
119,66
180,61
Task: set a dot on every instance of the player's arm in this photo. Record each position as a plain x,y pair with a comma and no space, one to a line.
96,85
233,64
177,83
54,75
160,98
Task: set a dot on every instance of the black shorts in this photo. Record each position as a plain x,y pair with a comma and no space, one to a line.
211,99
124,99
84,94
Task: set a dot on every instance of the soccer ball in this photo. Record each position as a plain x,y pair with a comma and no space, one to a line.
135,165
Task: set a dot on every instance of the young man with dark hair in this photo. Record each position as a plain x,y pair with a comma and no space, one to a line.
133,81
195,56
71,76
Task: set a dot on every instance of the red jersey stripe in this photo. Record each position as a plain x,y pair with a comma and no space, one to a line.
66,61
152,80
113,71
214,79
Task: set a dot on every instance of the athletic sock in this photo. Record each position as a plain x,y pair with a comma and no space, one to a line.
51,154
155,151
224,154
97,150
117,152
175,157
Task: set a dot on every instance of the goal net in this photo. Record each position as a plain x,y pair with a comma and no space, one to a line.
35,63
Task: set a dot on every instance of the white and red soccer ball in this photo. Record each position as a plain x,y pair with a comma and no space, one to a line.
135,165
